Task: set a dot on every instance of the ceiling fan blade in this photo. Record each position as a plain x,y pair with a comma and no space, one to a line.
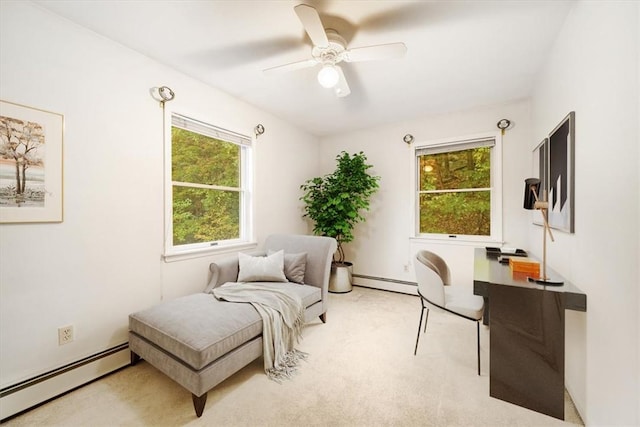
372,53
342,87
291,66
313,26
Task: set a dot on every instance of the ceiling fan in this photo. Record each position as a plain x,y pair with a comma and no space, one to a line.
330,49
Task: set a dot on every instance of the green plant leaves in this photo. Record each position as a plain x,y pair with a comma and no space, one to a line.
334,201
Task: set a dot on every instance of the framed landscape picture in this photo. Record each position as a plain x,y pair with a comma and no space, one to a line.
554,161
30,164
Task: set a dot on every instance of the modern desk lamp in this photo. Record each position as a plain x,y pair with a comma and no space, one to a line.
532,201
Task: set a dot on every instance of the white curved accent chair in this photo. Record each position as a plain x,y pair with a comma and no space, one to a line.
433,277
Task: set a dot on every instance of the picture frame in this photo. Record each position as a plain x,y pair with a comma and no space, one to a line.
540,168
561,175
554,162
31,164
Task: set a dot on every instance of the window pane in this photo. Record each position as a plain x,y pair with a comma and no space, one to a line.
456,170
204,160
466,213
203,215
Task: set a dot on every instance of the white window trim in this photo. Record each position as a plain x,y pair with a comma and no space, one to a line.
496,193
247,238
203,252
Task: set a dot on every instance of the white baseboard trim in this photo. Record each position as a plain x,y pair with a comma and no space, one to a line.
35,391
578,407
385,284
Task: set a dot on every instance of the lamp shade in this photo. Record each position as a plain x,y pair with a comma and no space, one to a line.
531,192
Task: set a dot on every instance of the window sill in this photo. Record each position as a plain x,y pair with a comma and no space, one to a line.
460,241
203,252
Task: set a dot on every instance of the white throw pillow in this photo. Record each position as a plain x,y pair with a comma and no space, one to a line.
260,268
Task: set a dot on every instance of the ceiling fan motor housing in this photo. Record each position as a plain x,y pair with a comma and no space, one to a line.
333,53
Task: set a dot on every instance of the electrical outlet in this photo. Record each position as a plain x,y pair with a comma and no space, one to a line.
65,335
406,268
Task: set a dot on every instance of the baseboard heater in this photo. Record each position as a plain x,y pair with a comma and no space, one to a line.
27,394
386,284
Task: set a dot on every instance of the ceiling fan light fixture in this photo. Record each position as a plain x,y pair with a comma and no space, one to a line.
328,76
330,49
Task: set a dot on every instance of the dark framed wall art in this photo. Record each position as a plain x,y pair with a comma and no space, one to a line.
541,168
554,162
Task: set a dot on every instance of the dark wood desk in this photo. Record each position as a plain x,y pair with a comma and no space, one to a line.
527,334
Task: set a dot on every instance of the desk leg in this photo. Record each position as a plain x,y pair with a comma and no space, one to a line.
527,348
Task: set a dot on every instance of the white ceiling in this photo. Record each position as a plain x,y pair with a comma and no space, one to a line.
461,54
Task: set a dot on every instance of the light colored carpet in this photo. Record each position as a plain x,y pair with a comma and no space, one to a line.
361,371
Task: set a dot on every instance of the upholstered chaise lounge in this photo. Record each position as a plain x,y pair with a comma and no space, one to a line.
199,341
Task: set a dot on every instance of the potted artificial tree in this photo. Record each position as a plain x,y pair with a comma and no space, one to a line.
335,203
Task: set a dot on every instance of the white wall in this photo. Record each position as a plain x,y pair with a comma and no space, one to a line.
382,245
104,260
593,70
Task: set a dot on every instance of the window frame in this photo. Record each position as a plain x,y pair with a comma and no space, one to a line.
495,188
246,239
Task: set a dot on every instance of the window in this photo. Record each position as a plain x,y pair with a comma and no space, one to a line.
210,201
458,192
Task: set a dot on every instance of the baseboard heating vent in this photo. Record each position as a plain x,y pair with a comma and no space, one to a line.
26,394
386,284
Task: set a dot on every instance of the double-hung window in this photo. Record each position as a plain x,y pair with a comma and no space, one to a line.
458,189
209,202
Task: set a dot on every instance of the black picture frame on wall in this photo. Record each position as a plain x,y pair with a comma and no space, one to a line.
554,161
541,169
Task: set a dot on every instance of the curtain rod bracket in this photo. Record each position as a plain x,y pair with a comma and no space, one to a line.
259,130
162,94
503,124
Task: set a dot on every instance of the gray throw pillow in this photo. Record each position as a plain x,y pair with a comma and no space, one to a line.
294,266
260,268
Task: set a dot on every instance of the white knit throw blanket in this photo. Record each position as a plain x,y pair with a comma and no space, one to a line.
282,321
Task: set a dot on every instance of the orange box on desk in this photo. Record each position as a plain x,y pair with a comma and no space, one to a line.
517,275
525,265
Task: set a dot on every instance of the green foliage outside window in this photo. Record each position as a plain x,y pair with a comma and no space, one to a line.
200,165
455,193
